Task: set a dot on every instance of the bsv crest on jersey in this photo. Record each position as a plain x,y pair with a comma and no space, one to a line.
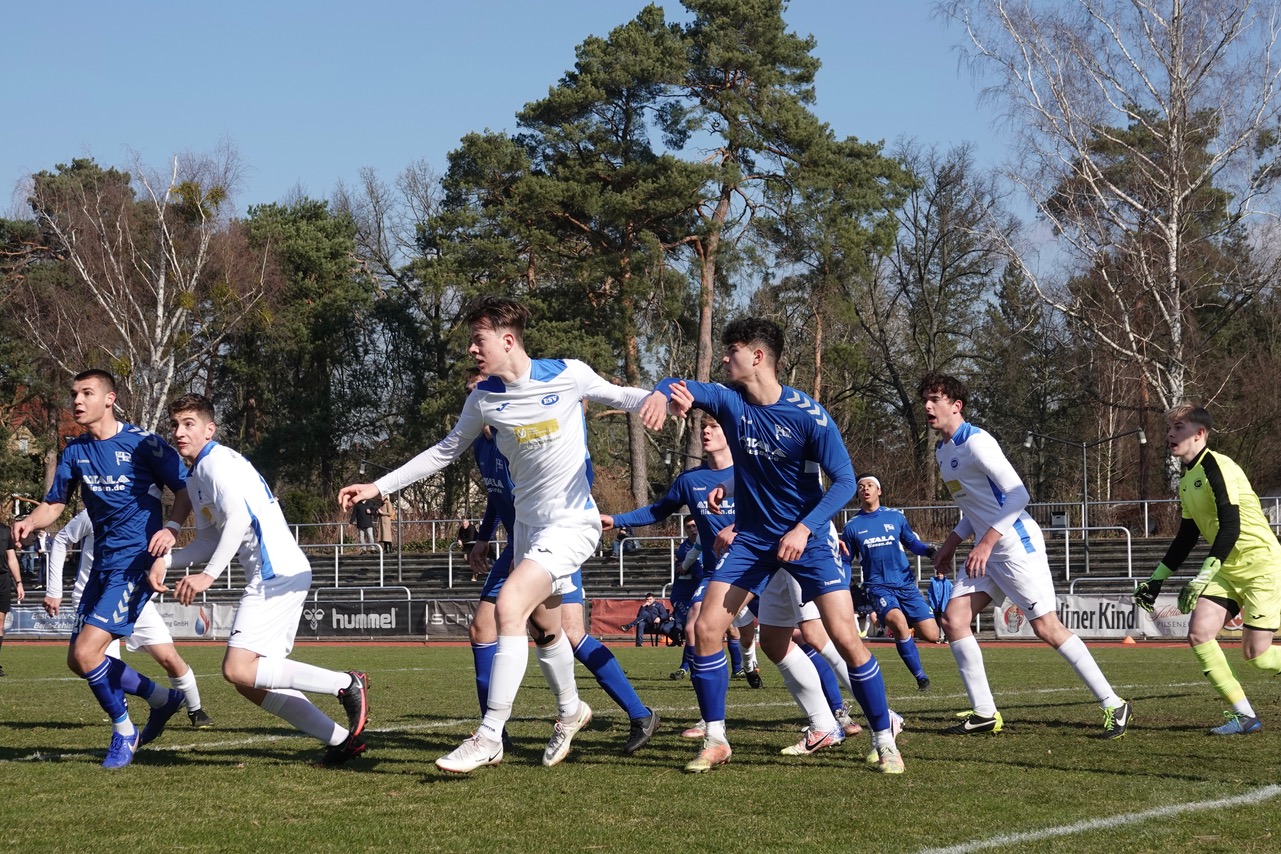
123,457
550,399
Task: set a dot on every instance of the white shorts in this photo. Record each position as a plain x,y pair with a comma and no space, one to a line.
267,618
149,629
781,602
560,547
744,617
1015,572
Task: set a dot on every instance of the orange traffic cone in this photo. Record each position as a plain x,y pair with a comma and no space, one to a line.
1129,639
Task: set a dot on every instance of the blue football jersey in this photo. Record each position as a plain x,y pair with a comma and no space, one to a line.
689,489
779,451
878,538
121,481
498,487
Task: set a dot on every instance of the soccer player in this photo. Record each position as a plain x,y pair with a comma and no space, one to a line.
1241,575
593,655
878,535
1007,559
237,516
780,440
121,470
690,489
535,408
149,632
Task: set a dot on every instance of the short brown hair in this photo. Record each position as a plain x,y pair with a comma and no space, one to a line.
499,313
104,377
192,402
944,384
1192,414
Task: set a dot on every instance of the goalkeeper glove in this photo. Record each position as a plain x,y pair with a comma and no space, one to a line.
1145,594
1192,591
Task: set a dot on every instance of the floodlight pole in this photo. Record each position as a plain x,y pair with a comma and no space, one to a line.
1085,474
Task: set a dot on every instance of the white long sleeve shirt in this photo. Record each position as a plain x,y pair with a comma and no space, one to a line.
986,487
78,530
236,516
539,427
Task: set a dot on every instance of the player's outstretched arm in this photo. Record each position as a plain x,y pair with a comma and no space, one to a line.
43,516
352,493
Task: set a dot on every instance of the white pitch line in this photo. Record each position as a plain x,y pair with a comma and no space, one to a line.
1265,793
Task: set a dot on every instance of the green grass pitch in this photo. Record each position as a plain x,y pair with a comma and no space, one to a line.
249,784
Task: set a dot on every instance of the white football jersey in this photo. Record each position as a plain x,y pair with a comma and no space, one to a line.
237,515
986,487
539,427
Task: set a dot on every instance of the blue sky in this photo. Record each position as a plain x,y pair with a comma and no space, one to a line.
311,92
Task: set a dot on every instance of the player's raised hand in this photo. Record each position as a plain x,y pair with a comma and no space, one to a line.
682,400
653,411
350,494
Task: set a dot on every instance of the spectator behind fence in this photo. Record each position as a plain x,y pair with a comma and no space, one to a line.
363,515
940,591
650,617
625,542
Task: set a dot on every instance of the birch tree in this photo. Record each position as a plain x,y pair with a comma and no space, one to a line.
153,274
1125,116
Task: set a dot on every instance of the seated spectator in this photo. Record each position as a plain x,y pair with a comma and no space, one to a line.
625,542
650,617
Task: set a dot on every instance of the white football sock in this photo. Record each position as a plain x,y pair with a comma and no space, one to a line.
282,673
556,660
510,663
806,688
1078,655
969,660
297,710
833,657
186,683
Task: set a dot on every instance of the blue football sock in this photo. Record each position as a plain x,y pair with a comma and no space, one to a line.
911,657
107,692
735,655
869,691
711,683
687,656
610,676
129,680
826,676
482,655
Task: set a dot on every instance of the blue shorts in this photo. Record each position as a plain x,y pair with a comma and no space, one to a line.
752,561
502,568
906,599
113,599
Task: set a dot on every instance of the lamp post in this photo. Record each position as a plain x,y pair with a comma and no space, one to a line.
400,551
1085,474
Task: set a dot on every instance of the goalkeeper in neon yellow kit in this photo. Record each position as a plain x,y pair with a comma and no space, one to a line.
1242,575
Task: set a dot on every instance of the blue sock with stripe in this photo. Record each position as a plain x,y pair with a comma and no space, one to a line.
826,676
911,657
482,656
710,679
869,691
131,681
107,691
610,676
735,655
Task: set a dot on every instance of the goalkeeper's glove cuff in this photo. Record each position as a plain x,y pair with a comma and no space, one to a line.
1161,573
1209,569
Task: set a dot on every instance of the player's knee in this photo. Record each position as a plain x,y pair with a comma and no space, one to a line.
239,674
927,630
